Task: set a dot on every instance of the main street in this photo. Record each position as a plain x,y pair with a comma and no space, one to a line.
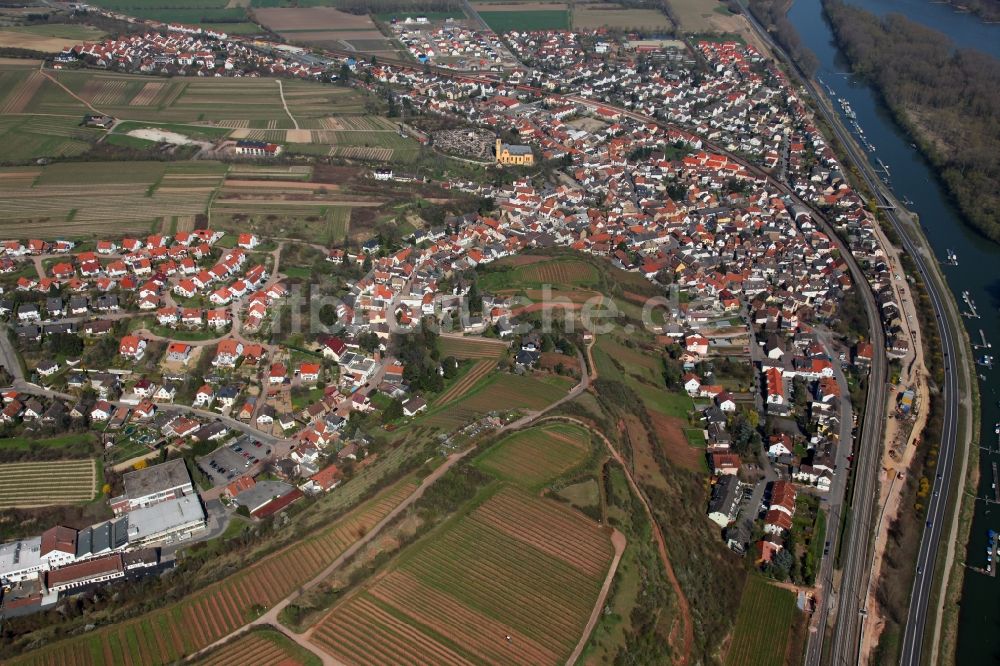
847,636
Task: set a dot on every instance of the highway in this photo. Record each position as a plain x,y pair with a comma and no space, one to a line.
850,625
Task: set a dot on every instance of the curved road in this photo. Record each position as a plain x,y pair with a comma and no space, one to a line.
850,626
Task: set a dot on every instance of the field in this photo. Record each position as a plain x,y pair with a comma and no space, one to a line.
471,347
47,38
262,647
326,26
90,199
516,566
697,16
592,16
478,370
231,19
33,484
505,18
763,625
500,392
557,272
234,103
168,634
27,138
537,455
511,274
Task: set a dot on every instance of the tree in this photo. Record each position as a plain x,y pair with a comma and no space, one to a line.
142,464
345,75
475,299
393,411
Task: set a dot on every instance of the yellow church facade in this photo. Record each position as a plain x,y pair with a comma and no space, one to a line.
514,155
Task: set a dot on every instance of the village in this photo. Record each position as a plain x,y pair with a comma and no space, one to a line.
184,349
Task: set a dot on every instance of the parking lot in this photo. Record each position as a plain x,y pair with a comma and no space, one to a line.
245,455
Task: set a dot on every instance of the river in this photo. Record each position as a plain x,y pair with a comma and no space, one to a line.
977,272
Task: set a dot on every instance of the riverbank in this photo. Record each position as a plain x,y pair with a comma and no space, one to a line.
942,97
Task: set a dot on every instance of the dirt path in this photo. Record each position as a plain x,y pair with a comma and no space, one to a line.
901,444
281,92
661,544
68,91
619,541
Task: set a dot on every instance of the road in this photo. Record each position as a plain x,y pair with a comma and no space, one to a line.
850,626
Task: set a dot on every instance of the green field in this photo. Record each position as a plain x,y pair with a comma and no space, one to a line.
25,138
318,223
503,392
542,19
63,30
557,273
208,13
536,456
763,625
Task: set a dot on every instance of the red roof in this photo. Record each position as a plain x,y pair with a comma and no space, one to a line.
277,504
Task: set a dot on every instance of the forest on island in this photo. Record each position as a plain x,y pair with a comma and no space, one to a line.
947,98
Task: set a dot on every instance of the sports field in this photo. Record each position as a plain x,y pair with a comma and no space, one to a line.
517,566
33,484
168,634
535,456
763,625
77,199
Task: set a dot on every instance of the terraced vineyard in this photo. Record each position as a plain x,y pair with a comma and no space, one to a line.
34,484
517,566
537,455
169,634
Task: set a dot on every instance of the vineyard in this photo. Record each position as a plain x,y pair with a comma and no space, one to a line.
27,138
77,199
479,370
501,392
762,625
262,647
168,634
471,347
34,484
569,272
237,102
516,566
538,455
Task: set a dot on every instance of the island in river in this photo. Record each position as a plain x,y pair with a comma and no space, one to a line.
947,99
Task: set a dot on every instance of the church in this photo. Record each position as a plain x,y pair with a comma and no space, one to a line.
515,155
